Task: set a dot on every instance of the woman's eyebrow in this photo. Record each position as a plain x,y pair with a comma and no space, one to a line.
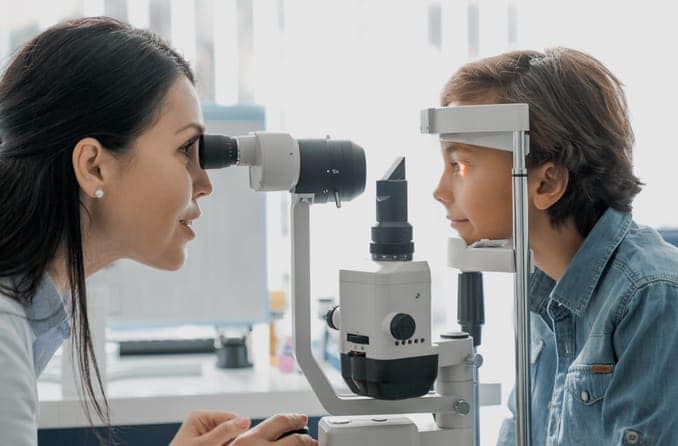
199,127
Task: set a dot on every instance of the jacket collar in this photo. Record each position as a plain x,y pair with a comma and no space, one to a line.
575,288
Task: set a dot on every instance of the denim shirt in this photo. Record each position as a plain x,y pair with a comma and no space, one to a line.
604,343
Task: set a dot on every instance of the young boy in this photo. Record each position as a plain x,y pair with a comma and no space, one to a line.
604,297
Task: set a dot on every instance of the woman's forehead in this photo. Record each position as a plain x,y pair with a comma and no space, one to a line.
181,107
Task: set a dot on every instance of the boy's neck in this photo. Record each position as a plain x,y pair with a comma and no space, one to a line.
554,247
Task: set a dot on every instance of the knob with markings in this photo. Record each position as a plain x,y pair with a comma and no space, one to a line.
403,326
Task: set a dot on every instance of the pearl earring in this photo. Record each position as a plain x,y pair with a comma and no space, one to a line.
99,193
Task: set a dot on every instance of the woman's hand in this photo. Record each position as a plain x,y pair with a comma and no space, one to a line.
268,432
213,428
210,428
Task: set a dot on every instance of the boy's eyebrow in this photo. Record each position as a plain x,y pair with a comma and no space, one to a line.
449,147
452,147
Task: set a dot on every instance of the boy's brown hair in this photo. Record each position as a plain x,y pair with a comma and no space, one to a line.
578,120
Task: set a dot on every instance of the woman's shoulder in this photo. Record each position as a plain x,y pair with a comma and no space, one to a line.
18,392
9,306
13,320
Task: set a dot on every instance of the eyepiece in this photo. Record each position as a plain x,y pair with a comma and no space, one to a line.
217,151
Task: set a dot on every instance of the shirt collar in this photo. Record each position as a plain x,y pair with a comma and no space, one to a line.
575,288
540,287
46,310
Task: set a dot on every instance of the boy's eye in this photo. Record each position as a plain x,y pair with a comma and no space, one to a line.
458,168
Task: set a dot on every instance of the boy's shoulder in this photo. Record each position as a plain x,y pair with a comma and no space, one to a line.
640,276
644,257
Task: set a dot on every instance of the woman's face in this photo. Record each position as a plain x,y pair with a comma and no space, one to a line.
151,198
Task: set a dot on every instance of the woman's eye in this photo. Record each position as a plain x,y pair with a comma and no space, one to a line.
187,148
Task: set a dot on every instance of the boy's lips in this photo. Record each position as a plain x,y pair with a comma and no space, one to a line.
457,222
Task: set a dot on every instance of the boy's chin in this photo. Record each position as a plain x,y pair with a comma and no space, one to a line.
471,239
468,238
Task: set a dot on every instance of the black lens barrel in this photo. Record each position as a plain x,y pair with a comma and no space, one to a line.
392,235
471,304
217,151
329,167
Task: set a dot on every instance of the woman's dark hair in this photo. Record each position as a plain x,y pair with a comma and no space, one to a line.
578,120
92,77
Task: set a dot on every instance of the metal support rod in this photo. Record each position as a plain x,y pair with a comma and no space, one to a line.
476,398
522,312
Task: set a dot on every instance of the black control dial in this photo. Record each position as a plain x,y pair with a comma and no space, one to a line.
402,326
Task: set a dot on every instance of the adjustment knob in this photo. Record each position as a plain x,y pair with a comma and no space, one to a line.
402,326
332,317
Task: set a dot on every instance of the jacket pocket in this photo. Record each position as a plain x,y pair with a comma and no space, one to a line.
584,395
586,387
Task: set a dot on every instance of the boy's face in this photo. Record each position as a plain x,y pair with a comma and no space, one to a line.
475,188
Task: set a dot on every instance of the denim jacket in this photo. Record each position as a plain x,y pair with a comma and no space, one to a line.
604,343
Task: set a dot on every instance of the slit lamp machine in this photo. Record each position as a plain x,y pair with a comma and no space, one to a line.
388,359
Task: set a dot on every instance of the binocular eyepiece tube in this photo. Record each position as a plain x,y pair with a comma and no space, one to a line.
332,170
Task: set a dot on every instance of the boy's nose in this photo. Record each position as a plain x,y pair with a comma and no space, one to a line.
442,194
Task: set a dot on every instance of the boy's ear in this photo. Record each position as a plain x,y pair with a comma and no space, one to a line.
547,184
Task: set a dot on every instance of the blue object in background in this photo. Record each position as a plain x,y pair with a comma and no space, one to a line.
670,235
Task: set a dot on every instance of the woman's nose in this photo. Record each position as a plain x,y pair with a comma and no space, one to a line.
202,186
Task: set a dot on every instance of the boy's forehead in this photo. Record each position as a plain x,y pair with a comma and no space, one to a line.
456,147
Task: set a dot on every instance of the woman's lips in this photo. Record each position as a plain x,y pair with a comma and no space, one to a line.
186,226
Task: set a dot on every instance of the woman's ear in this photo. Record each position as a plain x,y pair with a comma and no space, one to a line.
89,164
547,184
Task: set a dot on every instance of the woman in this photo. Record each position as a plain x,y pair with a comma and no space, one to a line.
98,161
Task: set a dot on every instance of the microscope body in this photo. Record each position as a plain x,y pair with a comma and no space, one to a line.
384,319
386,350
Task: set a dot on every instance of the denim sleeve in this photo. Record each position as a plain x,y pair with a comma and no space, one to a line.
640,404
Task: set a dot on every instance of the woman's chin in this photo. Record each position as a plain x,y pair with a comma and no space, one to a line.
168,262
